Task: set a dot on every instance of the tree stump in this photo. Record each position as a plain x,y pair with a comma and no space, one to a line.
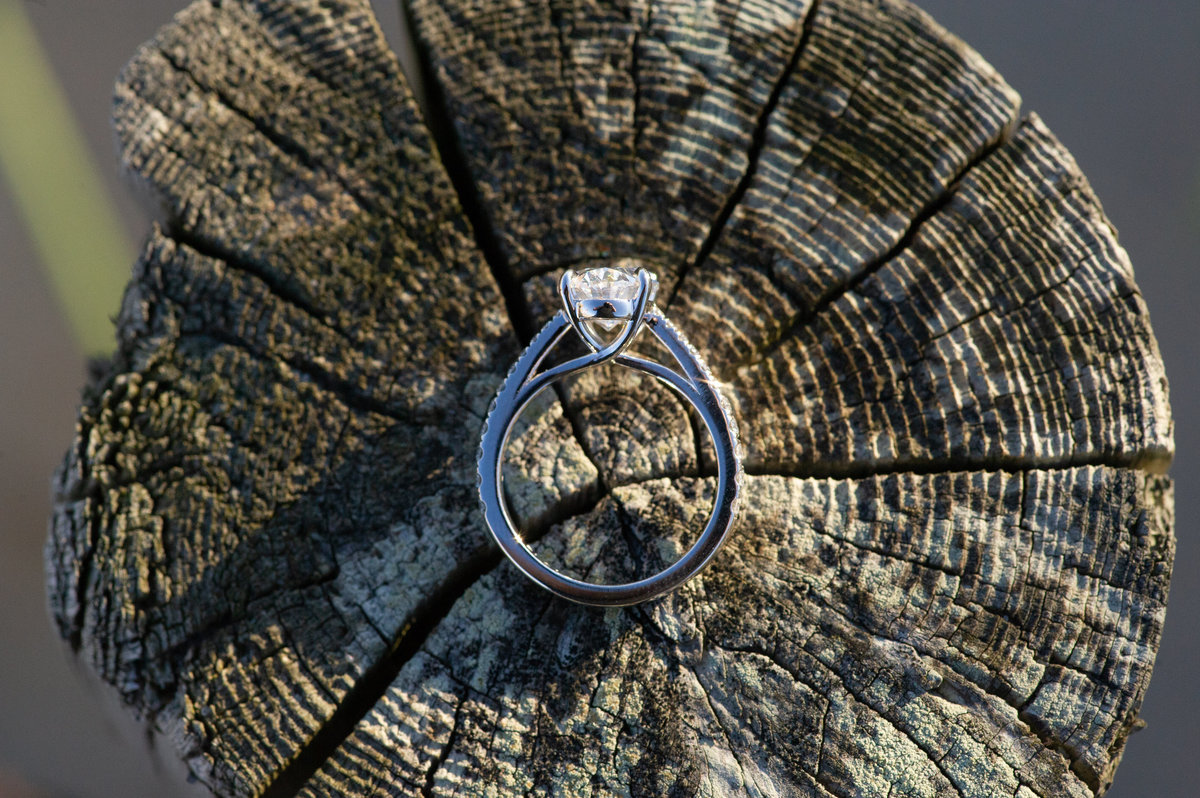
951,569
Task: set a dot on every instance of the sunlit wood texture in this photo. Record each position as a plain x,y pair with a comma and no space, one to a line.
951,571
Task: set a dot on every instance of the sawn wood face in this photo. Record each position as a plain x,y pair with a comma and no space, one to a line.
951,571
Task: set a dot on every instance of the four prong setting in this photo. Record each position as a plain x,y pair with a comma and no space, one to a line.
601,301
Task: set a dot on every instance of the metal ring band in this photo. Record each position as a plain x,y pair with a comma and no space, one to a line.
695,384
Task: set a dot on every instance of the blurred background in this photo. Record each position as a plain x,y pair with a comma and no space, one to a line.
1118,82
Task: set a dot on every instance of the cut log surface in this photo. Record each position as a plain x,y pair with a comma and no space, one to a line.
950,571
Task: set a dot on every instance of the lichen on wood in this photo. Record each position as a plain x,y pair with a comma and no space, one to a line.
951,569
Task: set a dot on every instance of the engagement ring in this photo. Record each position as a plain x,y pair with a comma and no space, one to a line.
608,307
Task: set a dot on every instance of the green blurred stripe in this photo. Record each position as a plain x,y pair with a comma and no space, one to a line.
59,192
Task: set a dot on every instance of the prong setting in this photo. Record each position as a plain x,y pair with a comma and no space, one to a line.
606,302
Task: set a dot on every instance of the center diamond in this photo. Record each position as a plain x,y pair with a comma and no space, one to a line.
618,284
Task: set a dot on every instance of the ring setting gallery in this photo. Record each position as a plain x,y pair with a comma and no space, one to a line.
608,307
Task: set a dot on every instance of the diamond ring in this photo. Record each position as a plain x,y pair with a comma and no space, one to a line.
608,307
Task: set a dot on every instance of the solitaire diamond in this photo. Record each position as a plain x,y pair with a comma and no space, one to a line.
616,284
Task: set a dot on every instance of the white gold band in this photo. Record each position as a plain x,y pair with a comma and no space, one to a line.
693,381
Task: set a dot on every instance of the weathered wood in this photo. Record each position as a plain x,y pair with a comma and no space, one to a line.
952,568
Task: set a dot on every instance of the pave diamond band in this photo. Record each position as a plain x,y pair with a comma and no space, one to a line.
608,307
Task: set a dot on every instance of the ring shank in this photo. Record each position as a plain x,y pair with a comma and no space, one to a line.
695,384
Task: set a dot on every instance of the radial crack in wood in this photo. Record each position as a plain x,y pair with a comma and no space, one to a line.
950,573
933,634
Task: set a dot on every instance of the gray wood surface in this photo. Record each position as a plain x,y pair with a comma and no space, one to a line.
951,572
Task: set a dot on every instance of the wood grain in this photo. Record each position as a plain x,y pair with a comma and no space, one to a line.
952,566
